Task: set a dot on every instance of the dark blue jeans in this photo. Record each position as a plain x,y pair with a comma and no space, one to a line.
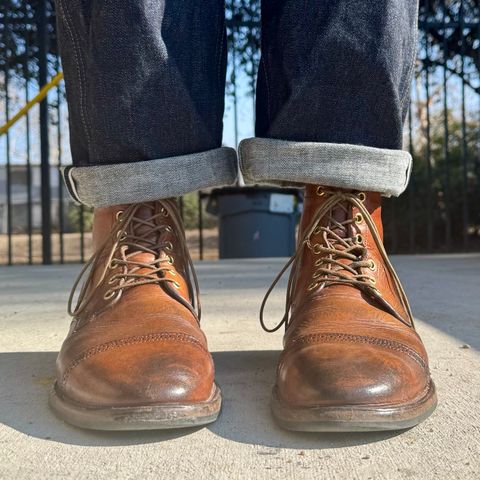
145,84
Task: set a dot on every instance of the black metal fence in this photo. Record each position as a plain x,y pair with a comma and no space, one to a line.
439,212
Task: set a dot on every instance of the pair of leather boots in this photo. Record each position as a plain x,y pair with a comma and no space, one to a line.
136,358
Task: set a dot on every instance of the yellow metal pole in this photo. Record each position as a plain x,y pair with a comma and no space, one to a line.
37,99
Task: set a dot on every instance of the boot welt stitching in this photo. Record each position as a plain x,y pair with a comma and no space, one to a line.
345,337
154,337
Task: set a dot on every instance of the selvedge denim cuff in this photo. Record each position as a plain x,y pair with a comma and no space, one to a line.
106,185
357,167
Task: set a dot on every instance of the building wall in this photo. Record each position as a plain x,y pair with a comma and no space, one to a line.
19,198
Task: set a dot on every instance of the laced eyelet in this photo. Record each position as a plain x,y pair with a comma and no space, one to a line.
312,286
112,264
317,248
318,262
168,229
119,214
164,212
108,294
112,280
320,191
358,238
358,218
168,246
372,266
121,236
317,230
317,275
362,196
170,259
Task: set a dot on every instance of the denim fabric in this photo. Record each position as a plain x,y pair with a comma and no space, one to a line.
145,79
336,71
145,82
120,183
339,165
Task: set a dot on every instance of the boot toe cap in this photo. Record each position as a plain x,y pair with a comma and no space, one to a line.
332,374
142,374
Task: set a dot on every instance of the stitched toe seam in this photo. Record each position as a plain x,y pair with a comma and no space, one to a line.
135,340
349,338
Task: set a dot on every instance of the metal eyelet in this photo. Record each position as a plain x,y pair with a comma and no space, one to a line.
318,262
119,214
372,266
373,280
121,236
164,212
320,191
169,246
176,285
168,229
312,286
317,275
112,264
361,196
108,294
172,272
112,280
358,238
317,248
170,259
317,230
358,218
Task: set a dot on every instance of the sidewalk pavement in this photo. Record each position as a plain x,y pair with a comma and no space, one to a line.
244,443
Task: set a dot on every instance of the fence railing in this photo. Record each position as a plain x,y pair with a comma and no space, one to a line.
440,210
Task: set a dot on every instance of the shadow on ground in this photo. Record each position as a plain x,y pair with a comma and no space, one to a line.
245,378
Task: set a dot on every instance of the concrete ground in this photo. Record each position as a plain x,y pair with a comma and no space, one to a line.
244,443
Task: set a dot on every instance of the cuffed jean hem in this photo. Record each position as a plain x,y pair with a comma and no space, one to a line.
121,183
356,167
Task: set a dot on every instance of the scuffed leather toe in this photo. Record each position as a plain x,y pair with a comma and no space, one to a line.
141,374
341,374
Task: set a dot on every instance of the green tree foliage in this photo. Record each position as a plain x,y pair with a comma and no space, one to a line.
75,216
444,185
190,213
243,36
18,36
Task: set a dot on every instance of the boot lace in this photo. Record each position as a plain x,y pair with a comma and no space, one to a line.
342,257
132,235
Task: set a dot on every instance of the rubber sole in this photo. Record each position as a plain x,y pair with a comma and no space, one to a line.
148,417
363,418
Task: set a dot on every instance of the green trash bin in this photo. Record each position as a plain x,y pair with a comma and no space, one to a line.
255,221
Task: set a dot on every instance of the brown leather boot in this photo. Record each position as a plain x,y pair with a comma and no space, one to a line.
135,356
352,358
